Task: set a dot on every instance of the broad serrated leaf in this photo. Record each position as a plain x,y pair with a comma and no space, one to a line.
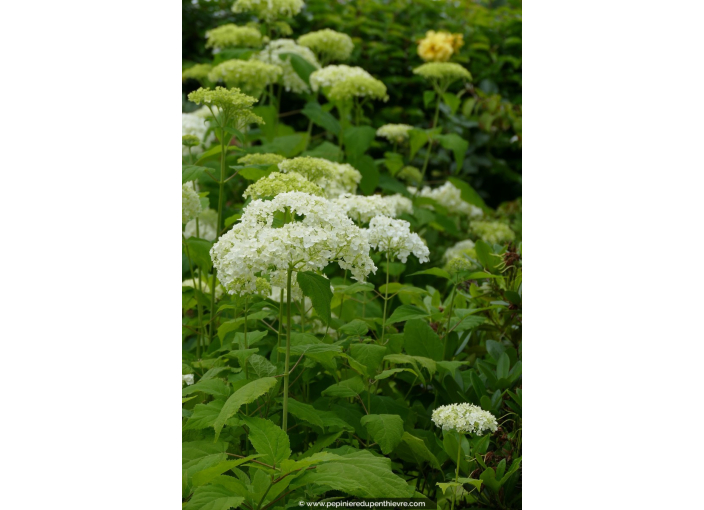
261,366
419,450
213,497
305,412
245,395
358,139
419,339
214,387
369,355
192,172
321,118
208,474
434,271
385,429
406,312
317,288
268,440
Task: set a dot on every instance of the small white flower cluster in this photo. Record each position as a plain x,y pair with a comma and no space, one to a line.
362,209
459,249
451,197
329,44
206,228
251,76
195,124
321,233
190,202
269,10
394,132
346,82
460,257
272,54
493,232
465,419
395,238
188,379
401,204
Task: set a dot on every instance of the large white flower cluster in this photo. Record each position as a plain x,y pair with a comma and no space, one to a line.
394,132
401,204
190,202
465,419
195,124
334,178
273,54
328,44
252,76
395,238
269,10
205,229
321,233
345,82
451,197
362,209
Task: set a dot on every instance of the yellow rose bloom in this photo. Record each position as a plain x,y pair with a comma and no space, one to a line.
439,46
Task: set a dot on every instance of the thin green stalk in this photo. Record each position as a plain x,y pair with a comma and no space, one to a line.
198,305
386,300
218,225
449,316
281,320
288,347
457,471
430,142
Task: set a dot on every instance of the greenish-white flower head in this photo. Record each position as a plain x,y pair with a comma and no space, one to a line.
269,10
465,419
394,237
263,287
343,83
493,232
411,175
328,45
396,133
251,76
231,35
321,233
362,209
334,178
442,74
190,141
276,183
190,202
275,54
232,104
400,204
451,197
205,227
461,257
198,72
194,125
261,158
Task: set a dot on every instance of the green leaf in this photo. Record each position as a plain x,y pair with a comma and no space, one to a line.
301,66
321,118
199,249
317,288
191,172
245,395
370,173
428,97
358,139
457,145
419,450
261,366
347,388
255,172
369,355
213,497
204,415
406,312
417,139
452,101
268,440
269,114
388,373
214,387
434,271
360,474
385,429
468,194
393,162
216,151
502,366
355,328
207,475
419,339
305,412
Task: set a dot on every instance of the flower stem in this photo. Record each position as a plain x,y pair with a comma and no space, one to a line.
281,320
199,306
386,300
457,471
430,142
288,346
449,316
218,225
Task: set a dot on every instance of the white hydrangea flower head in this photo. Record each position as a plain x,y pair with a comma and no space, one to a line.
328,44
334,178
493,232
231,35
194,124
261,158
269,10
446,72
394,237
188,379
459,249
252,76
362,209
465,419
394,132
460,257
273,54
206,225
343,83
321,233
401,204
276,183
451,197
190,202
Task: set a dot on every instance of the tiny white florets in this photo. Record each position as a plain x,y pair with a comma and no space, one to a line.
465,419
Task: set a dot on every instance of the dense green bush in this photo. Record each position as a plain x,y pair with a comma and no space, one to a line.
342,285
